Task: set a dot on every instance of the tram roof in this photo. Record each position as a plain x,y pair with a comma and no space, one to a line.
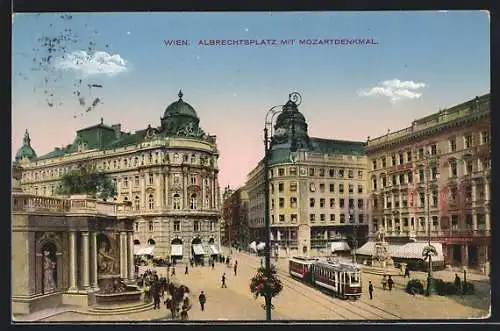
304,259
344,266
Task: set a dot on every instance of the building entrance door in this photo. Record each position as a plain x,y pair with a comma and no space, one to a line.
472,254
456,254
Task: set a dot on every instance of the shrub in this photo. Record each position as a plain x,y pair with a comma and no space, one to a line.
468,288
450,288
439,286
414,286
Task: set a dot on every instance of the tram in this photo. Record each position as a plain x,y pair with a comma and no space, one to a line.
341,279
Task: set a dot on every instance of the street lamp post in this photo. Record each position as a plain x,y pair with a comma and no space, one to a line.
429,250
268,126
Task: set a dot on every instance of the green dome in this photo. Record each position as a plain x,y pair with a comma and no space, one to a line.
26,150
180,107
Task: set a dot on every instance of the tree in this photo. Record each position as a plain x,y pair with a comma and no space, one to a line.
85,180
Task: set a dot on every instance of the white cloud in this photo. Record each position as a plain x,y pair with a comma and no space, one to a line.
96,63
394,89
235,95
246,29
128,32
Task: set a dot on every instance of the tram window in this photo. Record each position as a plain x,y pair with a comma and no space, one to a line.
354,278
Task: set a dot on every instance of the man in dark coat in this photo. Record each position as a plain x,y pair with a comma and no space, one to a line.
370,289
202,299
186,272
390,283
224,281
235,267
155,291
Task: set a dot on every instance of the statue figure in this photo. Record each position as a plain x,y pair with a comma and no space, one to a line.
381,235
105,260
48,269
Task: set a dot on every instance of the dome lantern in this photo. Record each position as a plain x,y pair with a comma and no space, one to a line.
26,151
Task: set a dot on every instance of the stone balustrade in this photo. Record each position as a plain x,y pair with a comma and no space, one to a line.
74,204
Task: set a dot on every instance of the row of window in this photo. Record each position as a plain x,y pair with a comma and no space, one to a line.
151,158
322,218
468,141
407,177
332,172
312,203
322,187
194,179
177,226
468,222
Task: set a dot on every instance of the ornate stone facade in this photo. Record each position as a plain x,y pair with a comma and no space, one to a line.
57,245
317,194
440,167
169,174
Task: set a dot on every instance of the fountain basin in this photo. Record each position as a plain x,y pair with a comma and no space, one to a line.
114,291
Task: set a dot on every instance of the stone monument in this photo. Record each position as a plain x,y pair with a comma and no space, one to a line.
381,257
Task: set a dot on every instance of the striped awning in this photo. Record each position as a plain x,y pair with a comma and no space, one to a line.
148,250
340,246
176,250
198,249
213,250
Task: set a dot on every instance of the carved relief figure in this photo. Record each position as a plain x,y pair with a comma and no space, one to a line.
105,259
49,267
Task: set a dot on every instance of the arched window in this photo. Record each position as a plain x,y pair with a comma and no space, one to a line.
125,163
193,201
176,158
137,203
137,242
151,242
136,161
125,199
150,224
151,201
177,201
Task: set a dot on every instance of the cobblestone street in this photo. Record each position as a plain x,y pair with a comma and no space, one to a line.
300,302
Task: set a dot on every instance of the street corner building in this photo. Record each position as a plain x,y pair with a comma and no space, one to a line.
167,183
318,191
437,170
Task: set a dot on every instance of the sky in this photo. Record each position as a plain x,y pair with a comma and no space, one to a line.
413,64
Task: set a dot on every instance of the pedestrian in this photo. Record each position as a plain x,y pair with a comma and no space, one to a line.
235,267
191,262
384,282
155,290
186,272
173,271
390,282
202,299
457,282
213,264
224,281
407,272
370,289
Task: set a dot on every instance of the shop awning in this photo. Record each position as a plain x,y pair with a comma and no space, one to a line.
176,250
340,246
198,249
260,246
412,250
253,246
213,250
148,250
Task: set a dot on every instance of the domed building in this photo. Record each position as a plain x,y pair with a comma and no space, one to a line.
168,173
26,152
319,201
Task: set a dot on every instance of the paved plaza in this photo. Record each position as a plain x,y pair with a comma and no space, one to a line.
298,301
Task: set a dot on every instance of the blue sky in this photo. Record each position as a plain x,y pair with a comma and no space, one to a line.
430,60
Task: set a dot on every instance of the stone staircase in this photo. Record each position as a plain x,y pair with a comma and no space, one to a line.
119,308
